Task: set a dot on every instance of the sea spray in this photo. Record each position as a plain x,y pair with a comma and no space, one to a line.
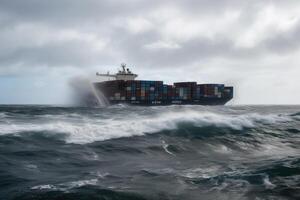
85,94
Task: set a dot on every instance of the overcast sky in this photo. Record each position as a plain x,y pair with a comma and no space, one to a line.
253,45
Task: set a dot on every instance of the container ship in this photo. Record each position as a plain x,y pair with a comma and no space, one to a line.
125,89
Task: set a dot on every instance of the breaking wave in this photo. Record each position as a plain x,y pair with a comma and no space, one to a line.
82,129
66,186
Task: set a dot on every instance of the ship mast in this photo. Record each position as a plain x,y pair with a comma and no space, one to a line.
125,74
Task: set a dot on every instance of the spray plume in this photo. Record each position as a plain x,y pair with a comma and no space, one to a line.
84,93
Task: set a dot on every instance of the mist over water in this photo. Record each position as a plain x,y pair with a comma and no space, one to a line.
170,152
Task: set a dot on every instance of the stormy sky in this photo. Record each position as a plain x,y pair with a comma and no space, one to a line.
253,45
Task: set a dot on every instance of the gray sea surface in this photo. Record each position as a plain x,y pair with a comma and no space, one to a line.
164,152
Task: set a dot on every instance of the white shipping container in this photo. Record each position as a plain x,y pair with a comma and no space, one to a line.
180,92
216,90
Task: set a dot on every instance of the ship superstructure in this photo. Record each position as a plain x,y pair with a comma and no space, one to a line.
124,74
125,89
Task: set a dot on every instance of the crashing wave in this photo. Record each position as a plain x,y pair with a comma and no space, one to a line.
87,129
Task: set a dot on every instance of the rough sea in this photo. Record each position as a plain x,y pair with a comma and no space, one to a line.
172,152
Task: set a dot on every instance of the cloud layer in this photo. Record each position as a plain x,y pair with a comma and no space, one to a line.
253,45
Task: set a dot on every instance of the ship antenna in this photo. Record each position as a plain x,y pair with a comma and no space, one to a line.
123,65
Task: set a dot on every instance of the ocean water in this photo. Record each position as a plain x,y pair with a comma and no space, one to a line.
172,152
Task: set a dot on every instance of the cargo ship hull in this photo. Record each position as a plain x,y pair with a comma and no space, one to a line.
202,101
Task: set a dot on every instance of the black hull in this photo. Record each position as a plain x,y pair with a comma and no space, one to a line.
202,101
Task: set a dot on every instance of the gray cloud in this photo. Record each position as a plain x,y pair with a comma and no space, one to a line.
286,42
105,19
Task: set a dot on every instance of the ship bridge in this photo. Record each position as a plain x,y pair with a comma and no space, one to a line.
124,74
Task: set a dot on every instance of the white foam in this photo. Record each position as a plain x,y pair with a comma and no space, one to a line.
268,183
31,167
66,186
81,183
165,147
204,173
220,148
84,129
2,115
297,117
275,147
44,187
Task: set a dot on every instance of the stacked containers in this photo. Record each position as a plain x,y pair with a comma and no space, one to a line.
174,95
165,92
170,92
147,89
209,90
219,90
184,90
144,90
129,90
155,90
158,90
150,91
198,92
228,92
138,90
133,90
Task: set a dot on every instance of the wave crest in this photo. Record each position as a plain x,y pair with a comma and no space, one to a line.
83,129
